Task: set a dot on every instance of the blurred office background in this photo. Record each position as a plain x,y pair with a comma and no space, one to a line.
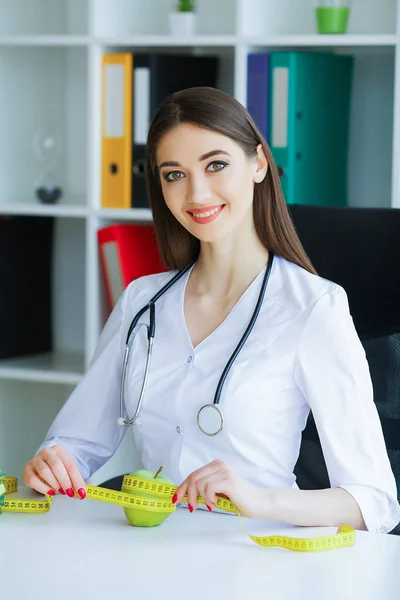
54,296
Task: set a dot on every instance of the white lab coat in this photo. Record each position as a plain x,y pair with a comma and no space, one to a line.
302,353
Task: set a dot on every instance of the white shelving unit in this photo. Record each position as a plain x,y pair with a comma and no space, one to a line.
50,74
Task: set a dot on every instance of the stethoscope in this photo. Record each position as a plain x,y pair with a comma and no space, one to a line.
209,417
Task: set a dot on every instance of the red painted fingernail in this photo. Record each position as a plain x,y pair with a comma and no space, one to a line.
61,491
51,493
209,507
174,498
82,493
70,492
190,507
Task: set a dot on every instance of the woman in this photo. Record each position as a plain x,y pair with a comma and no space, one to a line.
218,209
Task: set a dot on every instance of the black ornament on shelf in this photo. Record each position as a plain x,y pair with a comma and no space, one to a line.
48,195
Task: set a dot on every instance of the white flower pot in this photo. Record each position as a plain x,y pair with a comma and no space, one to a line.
182,24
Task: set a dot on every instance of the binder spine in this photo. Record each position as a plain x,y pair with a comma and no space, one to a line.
127,251
281,86
257,91
142,117
117,130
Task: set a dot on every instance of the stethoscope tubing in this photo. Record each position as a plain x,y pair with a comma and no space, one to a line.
151,334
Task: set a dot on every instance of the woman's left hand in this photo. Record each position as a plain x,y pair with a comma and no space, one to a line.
218,478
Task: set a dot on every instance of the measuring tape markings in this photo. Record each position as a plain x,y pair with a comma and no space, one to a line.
161,503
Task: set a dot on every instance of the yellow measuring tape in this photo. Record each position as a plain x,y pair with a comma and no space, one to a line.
160,502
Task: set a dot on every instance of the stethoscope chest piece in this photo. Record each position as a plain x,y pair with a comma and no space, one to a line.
210,419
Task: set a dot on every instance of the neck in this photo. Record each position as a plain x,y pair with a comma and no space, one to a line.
226,268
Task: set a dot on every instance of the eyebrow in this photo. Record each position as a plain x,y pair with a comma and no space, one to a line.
173,163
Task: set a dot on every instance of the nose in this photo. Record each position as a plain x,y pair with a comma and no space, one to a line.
198,190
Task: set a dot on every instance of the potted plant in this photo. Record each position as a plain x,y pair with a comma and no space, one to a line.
182,21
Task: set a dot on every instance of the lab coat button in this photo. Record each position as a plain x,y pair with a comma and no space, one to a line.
190,359
178,429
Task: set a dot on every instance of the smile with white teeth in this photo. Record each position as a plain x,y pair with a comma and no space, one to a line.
207,214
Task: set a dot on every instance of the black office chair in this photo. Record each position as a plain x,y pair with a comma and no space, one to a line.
359,248
115,483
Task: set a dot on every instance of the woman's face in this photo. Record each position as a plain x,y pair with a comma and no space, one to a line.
207,180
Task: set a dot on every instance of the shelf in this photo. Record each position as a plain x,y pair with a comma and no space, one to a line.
58,367
45,40
133,214
74,211
162,41
123,41
168,41
358,40
44,210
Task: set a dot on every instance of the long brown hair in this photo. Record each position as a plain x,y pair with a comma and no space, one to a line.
213,109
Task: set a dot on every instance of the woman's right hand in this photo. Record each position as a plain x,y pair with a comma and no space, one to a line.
53,470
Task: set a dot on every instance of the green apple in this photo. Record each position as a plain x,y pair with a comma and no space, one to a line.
144,518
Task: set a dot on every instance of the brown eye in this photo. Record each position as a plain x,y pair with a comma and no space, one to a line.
174,176
217,165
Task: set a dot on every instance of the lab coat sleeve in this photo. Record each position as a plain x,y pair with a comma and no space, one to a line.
332,372
87,423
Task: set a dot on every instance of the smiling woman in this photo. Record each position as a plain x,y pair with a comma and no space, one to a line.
204,152
247,339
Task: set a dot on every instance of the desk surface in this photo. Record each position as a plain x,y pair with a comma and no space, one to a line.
87,548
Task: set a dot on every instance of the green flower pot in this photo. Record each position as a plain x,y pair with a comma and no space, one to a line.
332,19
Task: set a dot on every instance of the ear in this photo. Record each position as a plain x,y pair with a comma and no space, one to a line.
261,165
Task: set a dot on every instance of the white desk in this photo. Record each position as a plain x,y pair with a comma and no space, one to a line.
86,549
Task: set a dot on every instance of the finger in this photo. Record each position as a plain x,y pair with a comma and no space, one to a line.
180,492
208,470
207,492
45,474
192,494
75,476
48,458
32,480
214,489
